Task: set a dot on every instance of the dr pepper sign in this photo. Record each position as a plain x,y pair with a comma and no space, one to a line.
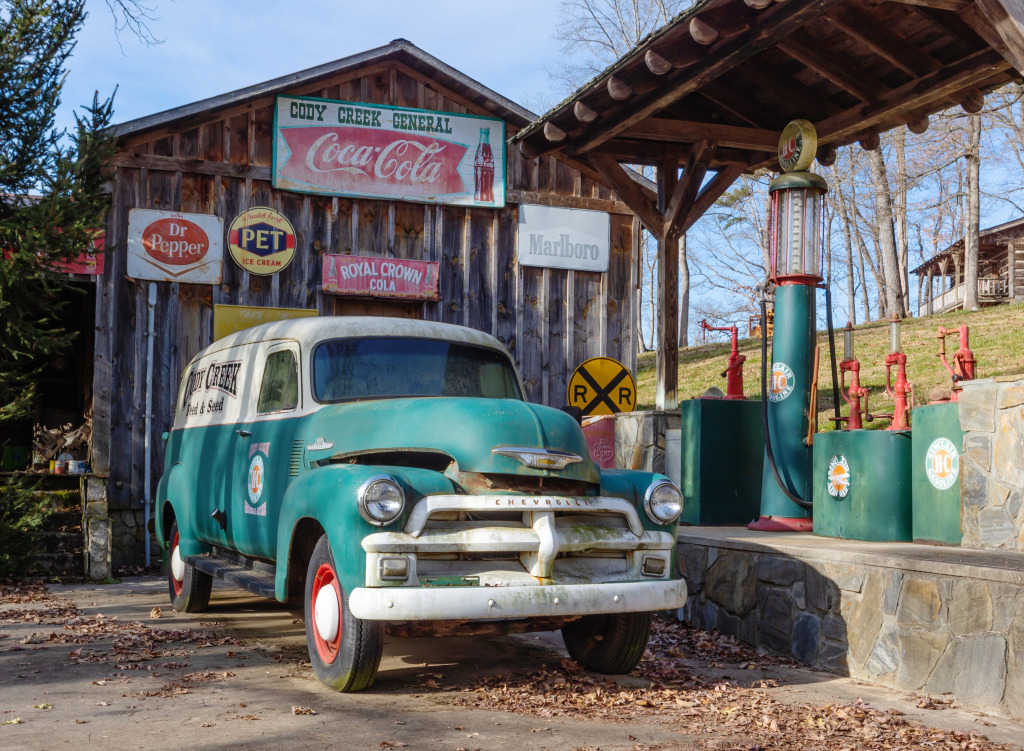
174,247
374,151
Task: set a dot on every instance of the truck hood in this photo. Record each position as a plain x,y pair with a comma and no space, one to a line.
467,429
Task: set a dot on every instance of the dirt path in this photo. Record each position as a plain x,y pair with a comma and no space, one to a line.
98,665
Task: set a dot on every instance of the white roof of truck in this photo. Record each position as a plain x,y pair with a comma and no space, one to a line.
309,331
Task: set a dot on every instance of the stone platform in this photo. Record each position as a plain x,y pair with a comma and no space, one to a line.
936,620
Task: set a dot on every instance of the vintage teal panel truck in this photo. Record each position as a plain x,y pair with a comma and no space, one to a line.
389,474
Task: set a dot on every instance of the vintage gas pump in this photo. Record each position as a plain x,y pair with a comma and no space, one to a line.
855,392
964,365
796,251
899,393
733,372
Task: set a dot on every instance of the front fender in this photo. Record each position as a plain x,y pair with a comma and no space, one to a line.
173,492
328,496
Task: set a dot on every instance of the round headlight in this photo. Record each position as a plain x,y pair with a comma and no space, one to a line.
380,500
663,502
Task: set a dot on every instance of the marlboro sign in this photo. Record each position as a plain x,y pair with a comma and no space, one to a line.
369,150
380,277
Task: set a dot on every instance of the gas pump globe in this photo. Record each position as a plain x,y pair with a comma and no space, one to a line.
797,240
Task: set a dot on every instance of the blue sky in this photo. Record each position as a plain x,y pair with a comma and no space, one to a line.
215,46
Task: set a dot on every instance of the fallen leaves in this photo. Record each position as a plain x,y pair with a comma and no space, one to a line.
744,716
303,710
156,613
13,721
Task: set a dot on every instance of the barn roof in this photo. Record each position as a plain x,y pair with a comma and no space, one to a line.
399,50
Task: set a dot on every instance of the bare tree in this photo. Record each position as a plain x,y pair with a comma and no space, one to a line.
134,16
886,236
972,224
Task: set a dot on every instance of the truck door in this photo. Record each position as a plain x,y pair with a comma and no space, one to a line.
263,452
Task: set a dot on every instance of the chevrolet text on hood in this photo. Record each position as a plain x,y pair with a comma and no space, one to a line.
389,474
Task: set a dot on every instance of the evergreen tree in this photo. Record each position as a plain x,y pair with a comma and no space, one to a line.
51,188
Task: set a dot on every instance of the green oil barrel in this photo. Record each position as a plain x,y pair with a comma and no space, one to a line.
862,485
721,449
935,473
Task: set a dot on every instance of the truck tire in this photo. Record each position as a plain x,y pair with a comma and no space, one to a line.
608,643
189,587
344,650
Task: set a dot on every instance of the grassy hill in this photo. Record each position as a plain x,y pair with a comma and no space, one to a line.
997,339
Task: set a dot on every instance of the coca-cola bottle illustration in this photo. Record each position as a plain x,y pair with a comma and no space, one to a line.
332,276
483,169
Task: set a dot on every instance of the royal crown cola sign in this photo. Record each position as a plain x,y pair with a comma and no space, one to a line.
375,151
563,238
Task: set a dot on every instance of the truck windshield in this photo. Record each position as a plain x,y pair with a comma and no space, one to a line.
347,369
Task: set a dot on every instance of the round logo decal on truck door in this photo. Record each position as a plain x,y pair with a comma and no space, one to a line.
257,479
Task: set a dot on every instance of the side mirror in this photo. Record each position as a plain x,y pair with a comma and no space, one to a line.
574,412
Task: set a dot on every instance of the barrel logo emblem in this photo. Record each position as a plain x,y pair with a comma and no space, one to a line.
257,478
942,463
782,382
838,477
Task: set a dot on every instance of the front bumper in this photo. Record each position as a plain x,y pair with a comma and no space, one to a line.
497,603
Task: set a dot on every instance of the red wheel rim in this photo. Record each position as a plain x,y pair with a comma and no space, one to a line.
178,584
325,577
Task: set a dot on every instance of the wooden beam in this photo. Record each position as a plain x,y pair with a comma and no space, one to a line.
685,191
685,131
1001,24
802,98
583,113
972,101
773,24
618,89
883,42
703,32
593,174
616,178
657,64
667,358
917,123
541,198
857,83
953,5
727,100
553,133
912,96
182,164
711,192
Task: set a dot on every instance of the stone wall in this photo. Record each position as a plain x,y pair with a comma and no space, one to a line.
911,625
128,540
640,439
96,529
992,470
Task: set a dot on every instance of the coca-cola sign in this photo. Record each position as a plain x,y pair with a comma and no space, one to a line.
175,247
368,150
366,276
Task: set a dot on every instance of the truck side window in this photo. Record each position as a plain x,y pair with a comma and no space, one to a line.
280,388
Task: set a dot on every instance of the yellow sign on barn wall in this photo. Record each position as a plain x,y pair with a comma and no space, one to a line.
227,319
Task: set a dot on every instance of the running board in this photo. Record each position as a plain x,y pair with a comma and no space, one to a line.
249,574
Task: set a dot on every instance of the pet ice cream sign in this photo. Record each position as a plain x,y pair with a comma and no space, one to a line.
367,150
173,247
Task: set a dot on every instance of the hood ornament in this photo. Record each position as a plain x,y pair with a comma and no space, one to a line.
538,458
319,445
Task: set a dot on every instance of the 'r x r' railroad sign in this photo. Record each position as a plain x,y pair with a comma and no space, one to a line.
602,386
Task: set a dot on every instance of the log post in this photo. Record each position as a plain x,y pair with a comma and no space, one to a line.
667,394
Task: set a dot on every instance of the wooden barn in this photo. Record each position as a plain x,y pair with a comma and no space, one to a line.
216,158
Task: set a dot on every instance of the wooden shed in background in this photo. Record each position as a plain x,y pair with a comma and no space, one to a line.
214,157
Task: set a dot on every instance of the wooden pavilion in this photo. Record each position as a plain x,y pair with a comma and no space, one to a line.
704,99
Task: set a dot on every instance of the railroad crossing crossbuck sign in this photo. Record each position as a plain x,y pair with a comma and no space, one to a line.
602,386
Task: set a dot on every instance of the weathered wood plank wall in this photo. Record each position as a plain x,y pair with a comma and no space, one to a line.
219,163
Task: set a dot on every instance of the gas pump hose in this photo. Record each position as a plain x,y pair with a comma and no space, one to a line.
764,413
